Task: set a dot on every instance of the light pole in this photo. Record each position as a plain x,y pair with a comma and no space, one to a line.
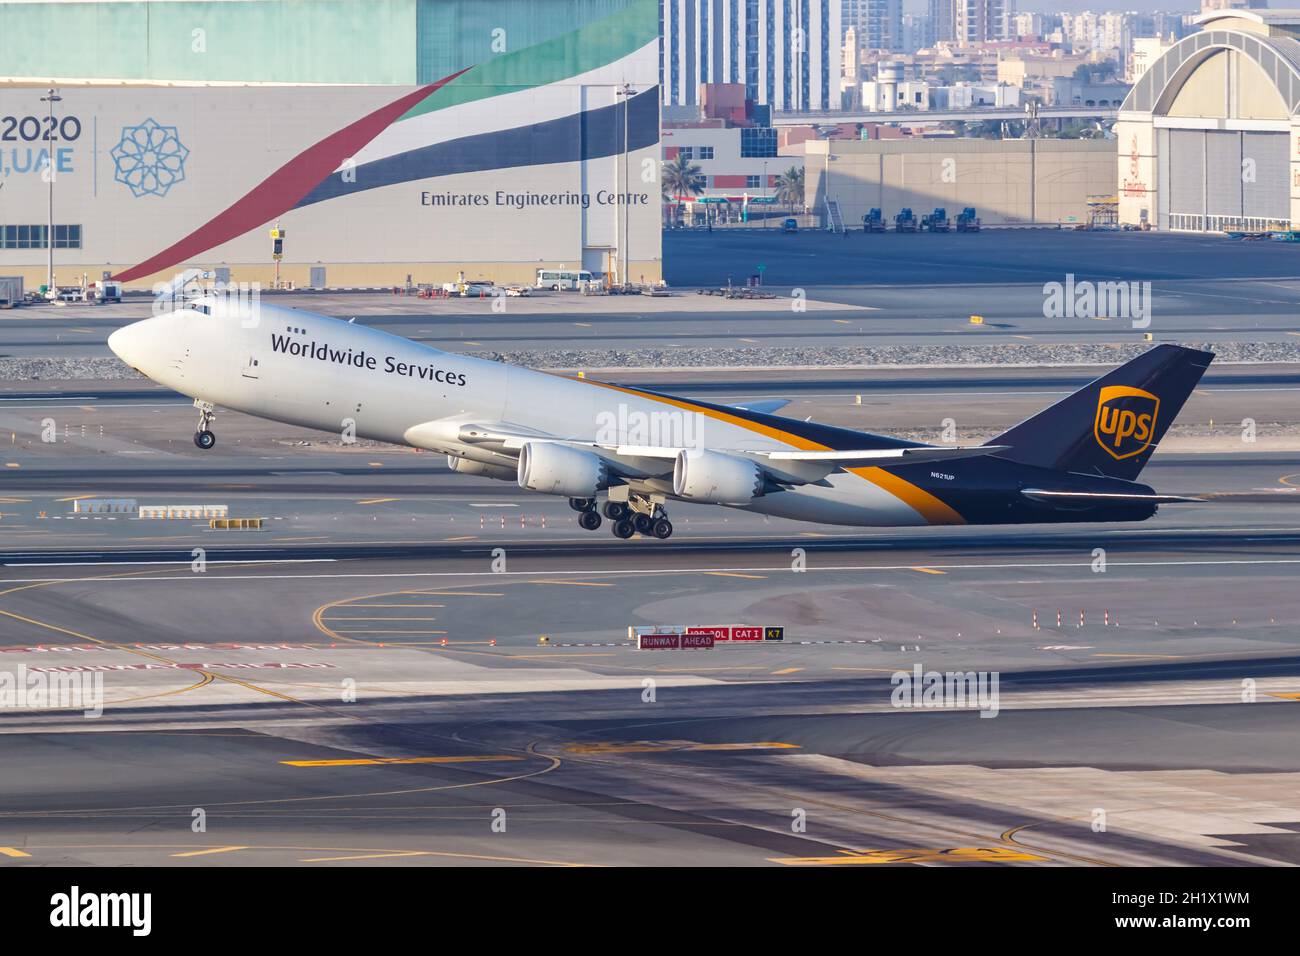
625,93
51,97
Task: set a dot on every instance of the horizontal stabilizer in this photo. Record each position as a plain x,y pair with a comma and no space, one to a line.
765,406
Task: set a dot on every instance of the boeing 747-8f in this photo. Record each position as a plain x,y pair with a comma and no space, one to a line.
583,439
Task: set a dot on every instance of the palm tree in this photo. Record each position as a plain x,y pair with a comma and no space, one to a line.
789,188
679,178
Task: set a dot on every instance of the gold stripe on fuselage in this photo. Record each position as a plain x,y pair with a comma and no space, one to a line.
927,505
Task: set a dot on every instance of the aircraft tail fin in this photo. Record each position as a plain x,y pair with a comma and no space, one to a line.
1112,426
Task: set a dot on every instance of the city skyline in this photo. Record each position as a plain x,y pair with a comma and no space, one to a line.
1078,6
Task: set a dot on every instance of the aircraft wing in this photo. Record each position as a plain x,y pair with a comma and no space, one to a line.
792,466
897,456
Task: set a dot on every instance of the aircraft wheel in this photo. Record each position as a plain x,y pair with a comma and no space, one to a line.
582,504
589,520
615,510
623,528
642,523
205,439
663,528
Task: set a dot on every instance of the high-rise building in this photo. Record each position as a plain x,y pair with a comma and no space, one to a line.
1030,25
1145,51
978,21
849,88
943,20
787,53
879,23
918,33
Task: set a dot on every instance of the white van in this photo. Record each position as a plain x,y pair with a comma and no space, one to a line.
557,279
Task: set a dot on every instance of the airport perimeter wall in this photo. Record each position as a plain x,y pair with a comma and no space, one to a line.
1007,181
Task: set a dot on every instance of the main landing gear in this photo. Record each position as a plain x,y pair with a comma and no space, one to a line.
637,515
203,437
588,517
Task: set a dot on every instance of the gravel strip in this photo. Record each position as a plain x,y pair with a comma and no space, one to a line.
687,357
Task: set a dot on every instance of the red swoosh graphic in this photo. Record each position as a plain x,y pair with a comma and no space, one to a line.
283,189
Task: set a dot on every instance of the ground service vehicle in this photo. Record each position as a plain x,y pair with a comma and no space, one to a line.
558,280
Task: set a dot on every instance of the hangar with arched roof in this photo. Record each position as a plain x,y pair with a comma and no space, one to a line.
1209,137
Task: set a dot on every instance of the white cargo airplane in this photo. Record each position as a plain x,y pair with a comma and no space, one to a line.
578,438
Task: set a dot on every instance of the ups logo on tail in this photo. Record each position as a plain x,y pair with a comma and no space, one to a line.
1126,420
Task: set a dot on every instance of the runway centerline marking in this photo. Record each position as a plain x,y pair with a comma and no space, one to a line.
576,584
215,849
383,761
392,605
669,746
365,856
969,854
132,564
315,849
1163,657
381,618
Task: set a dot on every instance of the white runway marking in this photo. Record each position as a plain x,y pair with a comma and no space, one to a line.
89,564
606,572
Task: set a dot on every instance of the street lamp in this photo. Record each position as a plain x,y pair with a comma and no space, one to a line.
622,215
51,97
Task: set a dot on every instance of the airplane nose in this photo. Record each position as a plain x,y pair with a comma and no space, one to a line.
127,344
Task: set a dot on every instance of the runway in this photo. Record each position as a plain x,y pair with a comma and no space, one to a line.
406,666
367,683
737,773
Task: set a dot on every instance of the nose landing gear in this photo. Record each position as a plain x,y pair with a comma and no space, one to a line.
203,437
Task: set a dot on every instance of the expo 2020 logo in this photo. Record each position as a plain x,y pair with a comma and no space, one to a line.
149,159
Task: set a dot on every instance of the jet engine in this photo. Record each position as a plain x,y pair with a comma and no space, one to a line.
465,466
713,477
560,470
